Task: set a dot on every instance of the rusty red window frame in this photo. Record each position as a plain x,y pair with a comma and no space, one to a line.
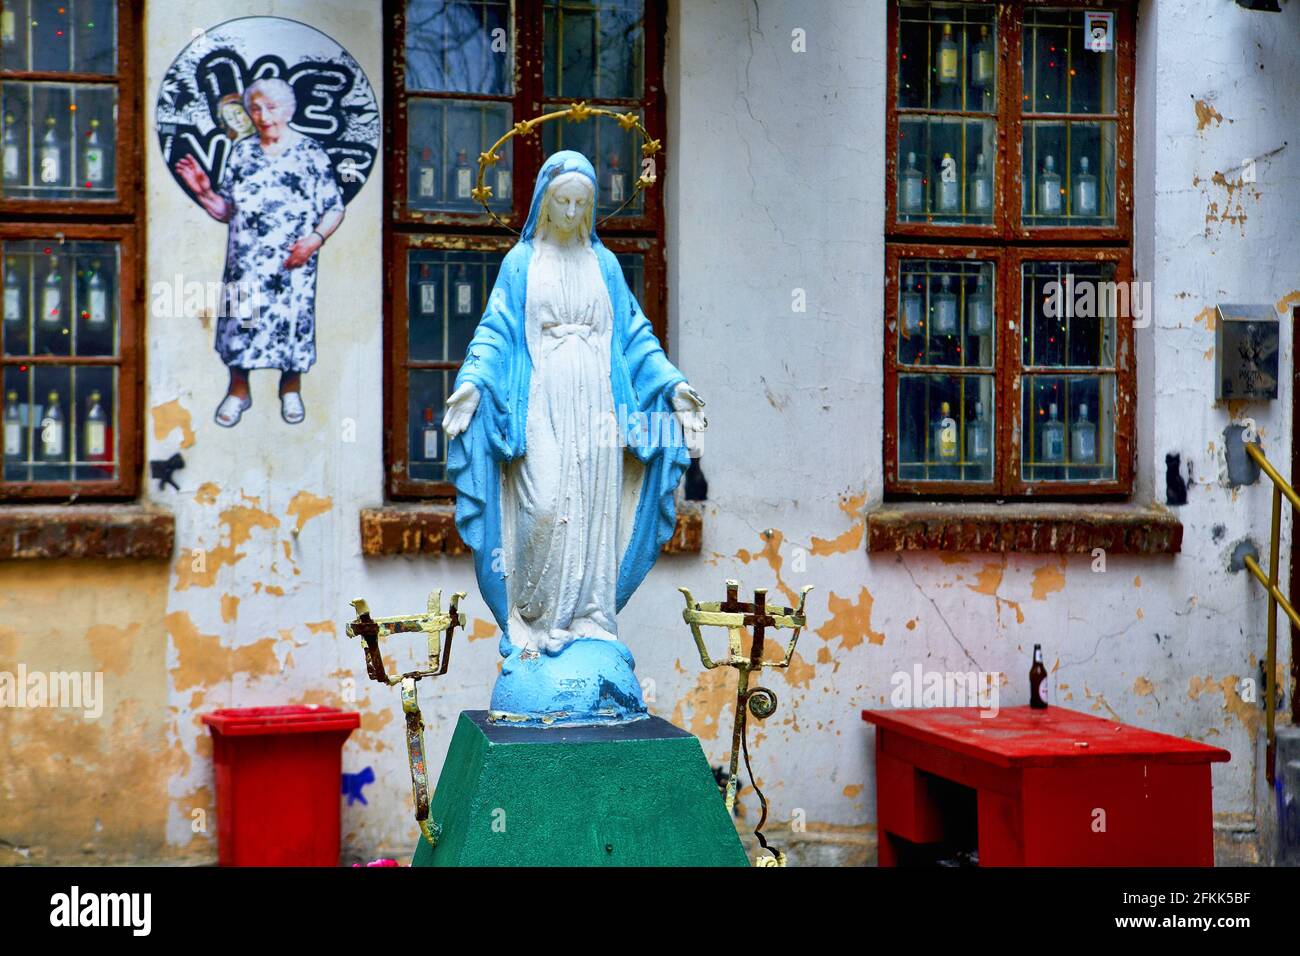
118,220
1009,244
405,229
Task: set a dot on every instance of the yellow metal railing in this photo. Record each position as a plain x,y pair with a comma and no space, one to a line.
1276,598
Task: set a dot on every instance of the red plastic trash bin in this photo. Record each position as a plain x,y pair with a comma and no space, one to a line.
278,771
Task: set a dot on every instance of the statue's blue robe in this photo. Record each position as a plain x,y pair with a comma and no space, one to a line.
499,365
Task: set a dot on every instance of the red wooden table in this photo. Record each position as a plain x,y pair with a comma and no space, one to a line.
1053,787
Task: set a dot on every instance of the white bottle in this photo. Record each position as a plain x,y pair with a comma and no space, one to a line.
51,161
13,293
52,429
52,295
12,170
93,156
13,427
97,298
95,430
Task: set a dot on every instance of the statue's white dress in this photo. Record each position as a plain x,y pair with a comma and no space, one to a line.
561,502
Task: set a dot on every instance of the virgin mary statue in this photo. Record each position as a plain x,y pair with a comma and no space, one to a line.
567,430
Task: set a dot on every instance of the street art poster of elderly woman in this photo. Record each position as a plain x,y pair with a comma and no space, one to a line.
279,195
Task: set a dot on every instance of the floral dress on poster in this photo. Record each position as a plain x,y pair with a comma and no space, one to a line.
268,314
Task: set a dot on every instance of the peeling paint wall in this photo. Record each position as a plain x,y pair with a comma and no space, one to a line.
776,185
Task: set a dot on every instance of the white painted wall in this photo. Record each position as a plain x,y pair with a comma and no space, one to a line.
776,183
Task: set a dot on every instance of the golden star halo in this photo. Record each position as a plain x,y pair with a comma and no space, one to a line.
575,113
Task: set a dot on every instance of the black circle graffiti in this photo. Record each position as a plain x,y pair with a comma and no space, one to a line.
200,110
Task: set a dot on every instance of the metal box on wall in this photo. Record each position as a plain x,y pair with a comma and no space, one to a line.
1245,352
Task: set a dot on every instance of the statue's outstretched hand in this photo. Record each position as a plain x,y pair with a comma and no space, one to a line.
461,405
687,403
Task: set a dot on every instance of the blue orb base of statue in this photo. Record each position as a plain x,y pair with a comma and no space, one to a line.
589,683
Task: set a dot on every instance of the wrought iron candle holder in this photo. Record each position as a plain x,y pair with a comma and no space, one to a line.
439,628
759,616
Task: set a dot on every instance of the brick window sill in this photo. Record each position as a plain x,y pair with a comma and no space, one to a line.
86,531
1025,527
421,528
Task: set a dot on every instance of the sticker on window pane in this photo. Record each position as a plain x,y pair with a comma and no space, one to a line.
945,428
947,57
1068,314
1063,73
593,49
945,171
459,46
58,141
445,138
1069,428
945,313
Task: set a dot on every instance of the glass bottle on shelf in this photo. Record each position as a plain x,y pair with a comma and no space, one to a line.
981,74
1049,189
52,295
464,292
96,311
502,189
13,428
426,175
464,176
947,59
1053,438
947,189
12,168
981,187
911,187
92,158
51,161
13,293
8,27
945,309
615,182
979,310
977,437
913,306
52,437
428,292
1085,191
429,436
94,430
1083,439
945,436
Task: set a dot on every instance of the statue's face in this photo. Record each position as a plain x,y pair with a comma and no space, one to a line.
567,203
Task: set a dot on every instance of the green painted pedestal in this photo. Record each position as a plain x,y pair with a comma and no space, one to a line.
638,794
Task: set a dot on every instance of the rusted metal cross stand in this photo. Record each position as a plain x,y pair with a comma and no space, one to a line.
736,615
434,624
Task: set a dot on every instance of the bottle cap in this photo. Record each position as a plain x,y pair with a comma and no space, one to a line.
53,397
1083,410
1049,163
94,395
11,396
1083,164
943,407
1052,409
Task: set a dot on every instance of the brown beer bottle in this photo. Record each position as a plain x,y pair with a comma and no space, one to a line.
1038,681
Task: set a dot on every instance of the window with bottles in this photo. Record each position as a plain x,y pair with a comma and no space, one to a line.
69,247
465,71
1008,343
